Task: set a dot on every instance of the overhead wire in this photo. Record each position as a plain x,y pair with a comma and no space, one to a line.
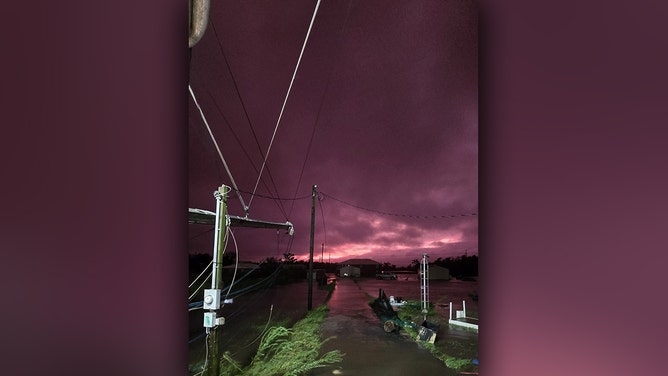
399,214
287,95
229,173
199,287
280,198
200,274
271,310
322,101
243,149
206,356
236,266
228,291
250,123
227,231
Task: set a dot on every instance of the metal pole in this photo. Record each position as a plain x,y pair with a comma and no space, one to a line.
212,361
425,291
310,259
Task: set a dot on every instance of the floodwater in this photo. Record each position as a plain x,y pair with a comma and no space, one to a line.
351,326
248,316
354,329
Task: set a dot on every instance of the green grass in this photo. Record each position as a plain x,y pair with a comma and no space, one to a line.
287,351
412,311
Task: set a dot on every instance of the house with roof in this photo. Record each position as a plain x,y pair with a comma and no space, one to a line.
367,267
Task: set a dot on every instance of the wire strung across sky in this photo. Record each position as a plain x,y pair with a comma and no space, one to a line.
250,124
279,198
367,209
399,214
322,102
234,184
294,74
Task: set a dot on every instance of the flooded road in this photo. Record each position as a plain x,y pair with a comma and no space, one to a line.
355,330
455,342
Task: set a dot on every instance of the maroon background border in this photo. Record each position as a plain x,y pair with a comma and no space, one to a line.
94,193
572,188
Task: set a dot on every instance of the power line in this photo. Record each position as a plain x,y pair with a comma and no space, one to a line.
229,126
202,273
236,266
322,101
294,74
250,124
229,173
280,198
399,214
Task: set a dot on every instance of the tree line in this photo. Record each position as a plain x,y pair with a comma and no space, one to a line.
460,266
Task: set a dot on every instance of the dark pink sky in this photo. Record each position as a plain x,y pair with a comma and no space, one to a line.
388,94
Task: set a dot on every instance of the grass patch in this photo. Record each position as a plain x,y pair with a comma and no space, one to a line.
290,352
412,311
459,364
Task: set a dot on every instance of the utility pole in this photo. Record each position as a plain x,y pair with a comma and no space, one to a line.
322,253
425,286
212,296
310,259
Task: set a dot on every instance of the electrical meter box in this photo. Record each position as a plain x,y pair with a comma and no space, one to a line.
209,319
211,299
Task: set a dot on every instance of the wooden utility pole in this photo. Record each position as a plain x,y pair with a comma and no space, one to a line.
212,361
310,258
212,297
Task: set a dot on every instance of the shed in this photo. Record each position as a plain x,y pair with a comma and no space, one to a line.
439,272
349,271
368,267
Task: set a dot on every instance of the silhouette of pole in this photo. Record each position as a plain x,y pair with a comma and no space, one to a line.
310,258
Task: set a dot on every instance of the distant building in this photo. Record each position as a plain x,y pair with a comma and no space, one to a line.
439,272
349,271
367,267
